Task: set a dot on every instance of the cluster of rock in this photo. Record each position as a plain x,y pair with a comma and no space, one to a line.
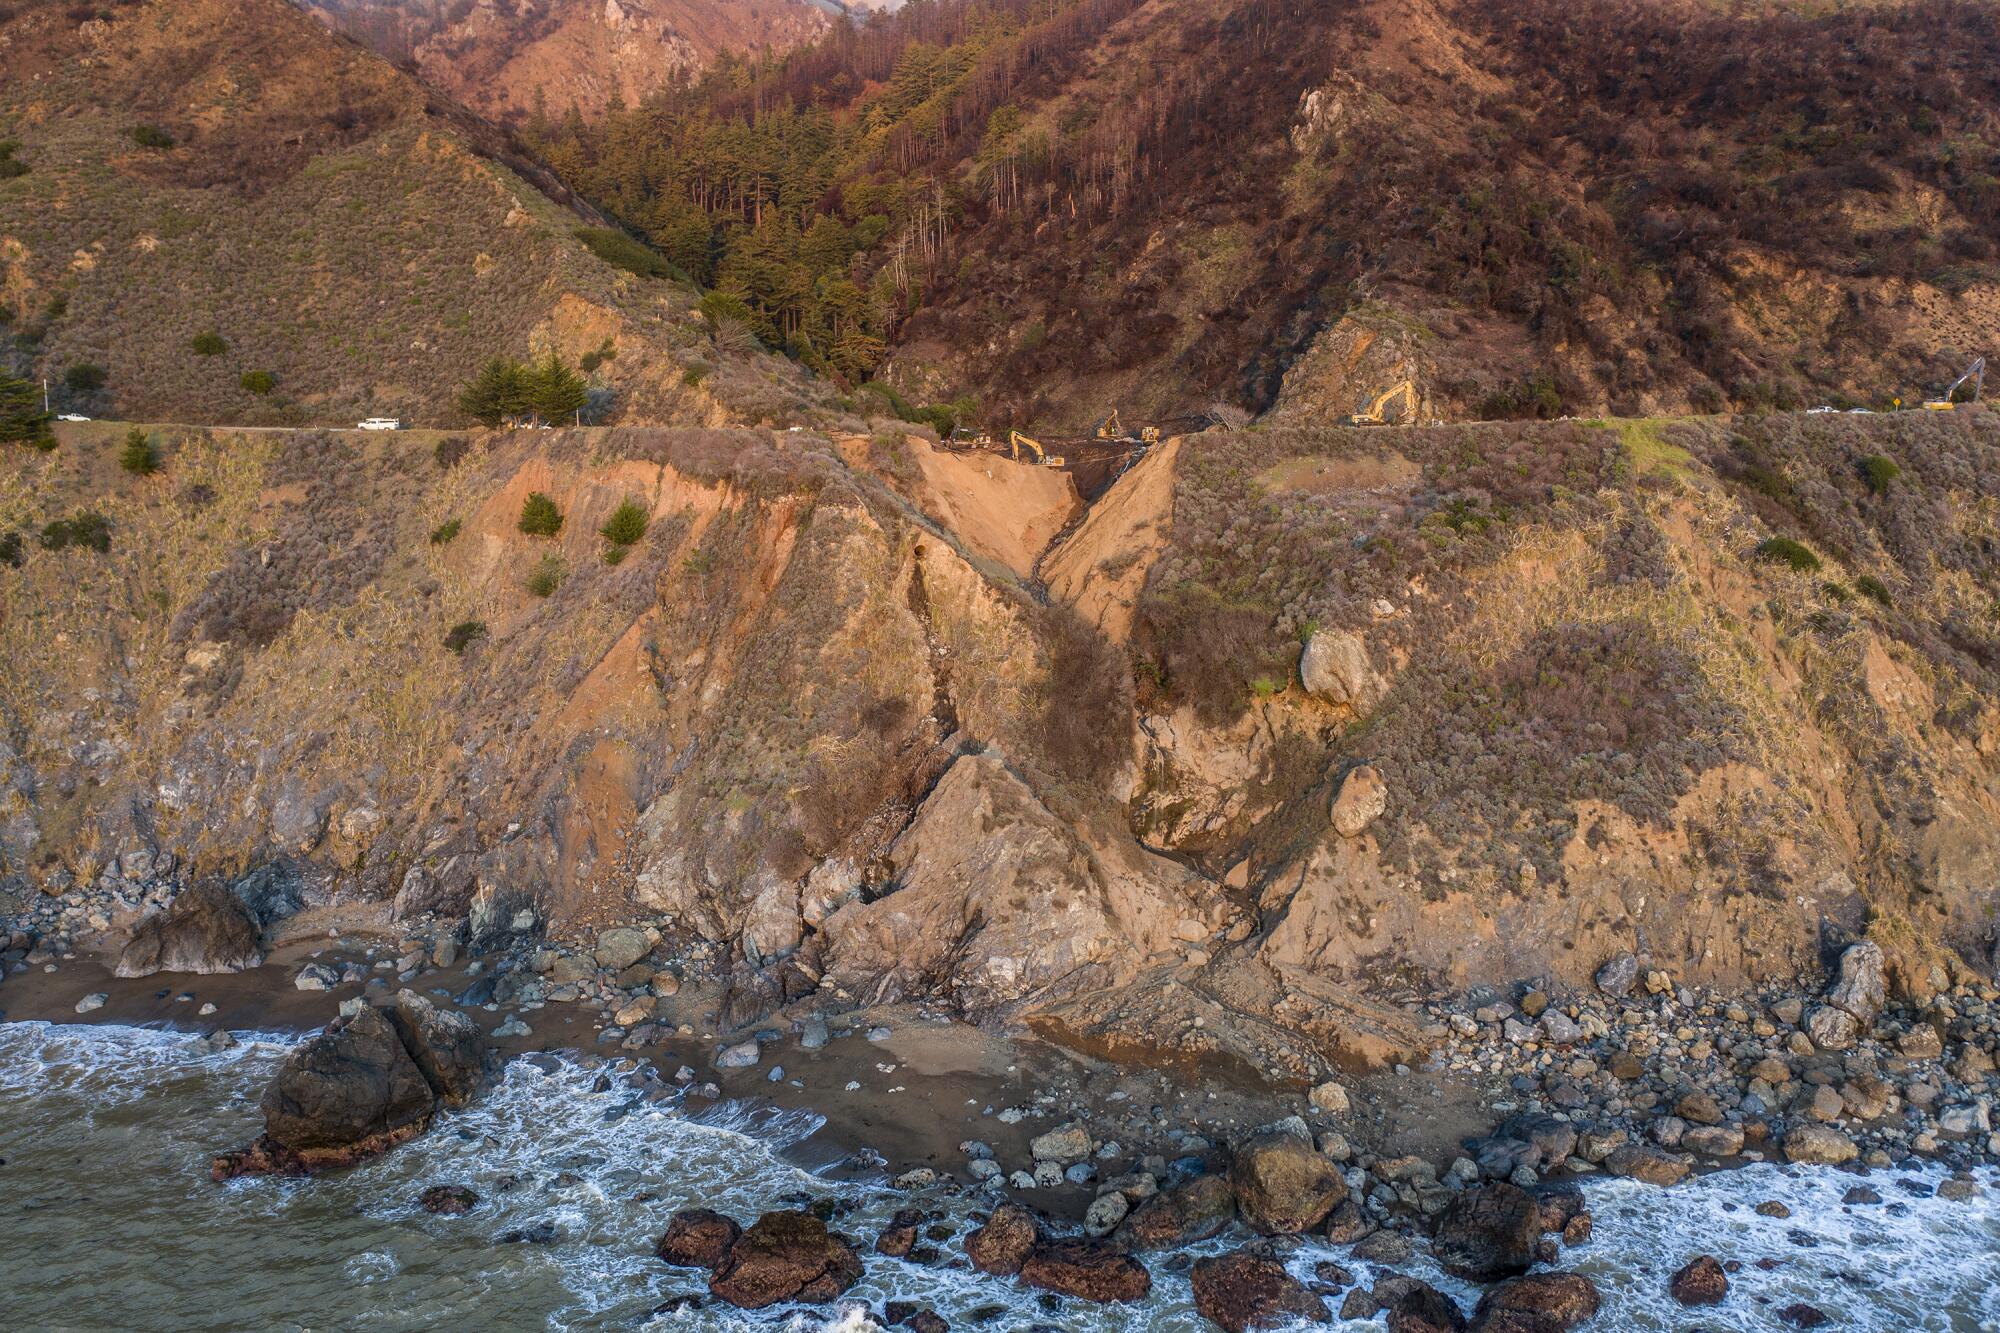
373,1079
1646,1078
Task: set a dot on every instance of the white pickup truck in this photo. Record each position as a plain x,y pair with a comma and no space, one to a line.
381,423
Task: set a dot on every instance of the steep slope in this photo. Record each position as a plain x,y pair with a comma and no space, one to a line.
216,189
1533,208
507,57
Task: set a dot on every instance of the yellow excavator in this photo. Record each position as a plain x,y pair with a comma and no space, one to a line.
1015,442
1372,414
1111,429
1976,374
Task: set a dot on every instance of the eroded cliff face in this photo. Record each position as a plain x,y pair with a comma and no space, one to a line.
1302,724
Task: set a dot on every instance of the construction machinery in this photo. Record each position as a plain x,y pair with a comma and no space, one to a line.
1111,430
1017,441
965,437
1975,374
1372,415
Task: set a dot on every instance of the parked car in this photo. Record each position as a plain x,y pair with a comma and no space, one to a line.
72,416
382,423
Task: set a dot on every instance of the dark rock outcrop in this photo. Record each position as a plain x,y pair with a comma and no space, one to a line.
1087,1270
205,930
1537,1303
1186,1213
785,1257
1418,1307
448,1200
1003,1244
1700,1282
359,1088
697,1238
1243,1291
1488,1233
1283,1184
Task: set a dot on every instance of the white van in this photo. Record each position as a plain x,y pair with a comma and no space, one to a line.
382,423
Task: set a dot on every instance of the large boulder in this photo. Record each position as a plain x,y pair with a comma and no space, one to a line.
697,1238
1700,1281
1638,1161
1418,1307
1488,1233
445,1044
1853,1002
1283,1184
343,1095
205,930
271,892
1362,799
1819,1145
1334,666
1003,1244
1192,1211
1243,1291
787,1256
1541,1302
1087,1270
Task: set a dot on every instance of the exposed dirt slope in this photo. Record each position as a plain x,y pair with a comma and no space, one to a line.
332,222
504,57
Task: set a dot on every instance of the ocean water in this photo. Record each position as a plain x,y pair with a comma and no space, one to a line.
108,1219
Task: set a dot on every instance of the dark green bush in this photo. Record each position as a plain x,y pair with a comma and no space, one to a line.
461,635
12,553
1879,472
10,166
84,377
259,382
1873,588
695,374
444,531
450,450
87,528
539,516
1785,551
210,343
151,136
547,575
621,251
138,455
626,525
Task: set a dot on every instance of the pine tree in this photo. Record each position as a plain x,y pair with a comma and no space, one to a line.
498,392
22,420
138,456
554,391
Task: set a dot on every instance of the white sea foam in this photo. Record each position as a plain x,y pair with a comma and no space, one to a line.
603,1170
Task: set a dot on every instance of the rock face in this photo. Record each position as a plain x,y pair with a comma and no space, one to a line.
1419,1307
345,1094
1003,1244
697,1238
1537,1303
205,930
1086,1270
1193,1211
1700,1282
366,1083
1240,1292
1334,667
445,1044
1283,1184
785,1257
1488,1233
1853,1002
1363,797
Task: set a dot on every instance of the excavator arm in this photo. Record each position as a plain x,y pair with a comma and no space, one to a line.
1372,414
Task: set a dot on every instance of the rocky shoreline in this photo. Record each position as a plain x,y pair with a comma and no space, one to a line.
1086,1192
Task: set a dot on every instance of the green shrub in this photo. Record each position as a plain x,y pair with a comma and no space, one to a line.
450,450
1879,472
1785,551
138,455
626,525
539,516
621,251
444,532
12,553
87,528
1873,588
210,343
547,575
259,382
461,635
695,374
84,377
151,136
716,307
591,360
10,166
22,420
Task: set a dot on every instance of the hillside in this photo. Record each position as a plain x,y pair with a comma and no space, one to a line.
212,189
504,58
1721,690
1057,209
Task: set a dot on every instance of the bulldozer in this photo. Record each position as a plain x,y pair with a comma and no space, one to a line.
1015,442
1372,414
1975,374
1111,430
